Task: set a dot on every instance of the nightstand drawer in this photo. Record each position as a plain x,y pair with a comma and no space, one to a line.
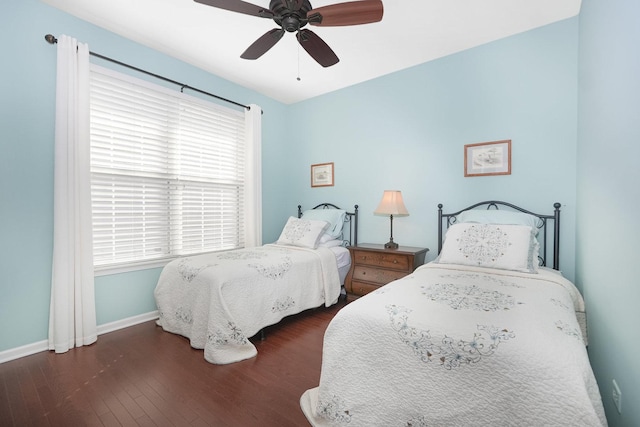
376,275
373,266
386,260
361,288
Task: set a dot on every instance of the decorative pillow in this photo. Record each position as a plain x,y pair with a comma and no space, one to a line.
335,218
494,216
302,232
507,247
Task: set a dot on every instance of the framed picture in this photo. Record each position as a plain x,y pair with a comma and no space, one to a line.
322,175
488,158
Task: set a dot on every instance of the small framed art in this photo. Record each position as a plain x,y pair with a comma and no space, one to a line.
488,158
322,175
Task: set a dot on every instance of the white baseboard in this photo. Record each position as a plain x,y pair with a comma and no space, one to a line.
37,347
129,321
25,350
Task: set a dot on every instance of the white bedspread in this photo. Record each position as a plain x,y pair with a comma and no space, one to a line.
458,346
221,299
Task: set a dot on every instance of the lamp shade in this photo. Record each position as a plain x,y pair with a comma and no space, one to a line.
391,204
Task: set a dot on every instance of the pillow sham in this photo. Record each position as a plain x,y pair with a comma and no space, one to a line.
335,218
301,232
504,246
494,216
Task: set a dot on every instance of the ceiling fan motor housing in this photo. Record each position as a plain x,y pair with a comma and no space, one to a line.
291,20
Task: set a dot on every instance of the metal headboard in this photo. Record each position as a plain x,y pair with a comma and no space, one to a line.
351,218
451,218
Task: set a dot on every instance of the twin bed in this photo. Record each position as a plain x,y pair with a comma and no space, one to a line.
484,335
219,300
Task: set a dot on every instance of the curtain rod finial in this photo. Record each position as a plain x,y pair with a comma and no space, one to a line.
51,39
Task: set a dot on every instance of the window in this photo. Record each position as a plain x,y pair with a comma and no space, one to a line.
167,173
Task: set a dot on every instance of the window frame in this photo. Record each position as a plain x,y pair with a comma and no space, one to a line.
148,263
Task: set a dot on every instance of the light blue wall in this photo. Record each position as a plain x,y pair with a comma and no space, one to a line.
27,101
608,197
407,131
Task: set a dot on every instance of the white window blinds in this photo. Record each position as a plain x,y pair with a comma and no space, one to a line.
167,172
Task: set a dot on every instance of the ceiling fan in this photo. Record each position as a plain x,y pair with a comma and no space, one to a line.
293,15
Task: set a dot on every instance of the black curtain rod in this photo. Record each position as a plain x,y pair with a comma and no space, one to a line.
52,40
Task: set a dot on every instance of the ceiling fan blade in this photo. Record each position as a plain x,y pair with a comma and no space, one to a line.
240,7
263,44
317,48
349,13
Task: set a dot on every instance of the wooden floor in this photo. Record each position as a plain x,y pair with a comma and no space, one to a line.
144,376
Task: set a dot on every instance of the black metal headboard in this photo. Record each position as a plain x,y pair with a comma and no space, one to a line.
451,218
351,218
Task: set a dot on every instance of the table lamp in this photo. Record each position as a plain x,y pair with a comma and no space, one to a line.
392,205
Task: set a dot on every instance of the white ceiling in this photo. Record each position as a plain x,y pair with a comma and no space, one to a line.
410,33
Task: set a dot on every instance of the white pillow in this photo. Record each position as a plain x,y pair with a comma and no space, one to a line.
329,243
494,216
325,238
302,232
335,218
507,247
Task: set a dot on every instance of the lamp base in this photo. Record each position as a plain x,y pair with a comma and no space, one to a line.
391,245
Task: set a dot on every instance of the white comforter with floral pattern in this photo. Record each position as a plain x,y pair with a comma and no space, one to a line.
458,346
219,300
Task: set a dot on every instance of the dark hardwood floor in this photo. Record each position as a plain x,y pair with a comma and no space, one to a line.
144,376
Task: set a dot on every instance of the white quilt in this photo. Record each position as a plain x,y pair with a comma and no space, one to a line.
219,300
453,345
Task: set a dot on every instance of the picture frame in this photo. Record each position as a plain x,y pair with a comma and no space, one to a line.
322,175
487,158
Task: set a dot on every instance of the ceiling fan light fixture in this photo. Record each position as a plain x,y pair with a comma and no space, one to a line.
291,24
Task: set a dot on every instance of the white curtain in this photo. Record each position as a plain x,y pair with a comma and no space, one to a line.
253,177
72,316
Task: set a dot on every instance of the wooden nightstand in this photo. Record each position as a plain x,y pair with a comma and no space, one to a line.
373,266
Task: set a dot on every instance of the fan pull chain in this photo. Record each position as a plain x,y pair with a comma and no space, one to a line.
298,78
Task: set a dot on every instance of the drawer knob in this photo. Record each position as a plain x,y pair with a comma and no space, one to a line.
395,261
